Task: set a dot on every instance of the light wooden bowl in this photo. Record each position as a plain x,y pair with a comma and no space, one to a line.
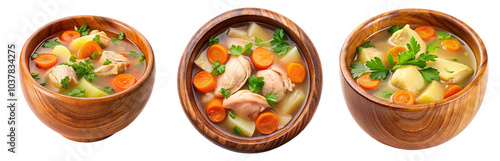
86,119
203,125
415,126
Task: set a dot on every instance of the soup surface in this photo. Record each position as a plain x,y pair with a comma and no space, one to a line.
429,64
250,80
87,62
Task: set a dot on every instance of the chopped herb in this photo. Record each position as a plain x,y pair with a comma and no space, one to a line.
107,62
255,83
77,92
109,90
65,82
395,28
430,74
408,57
461,85
120,37
137,55
225,92
443,36
97,39
238,50
390,61
64,63
94,55
259,42
84,69
280,45
218,68
83,30
427,57
378,69
365,45
212,41
387,94
358,69
237,130
449,71
431,48
35,75
230,113
271,98
36,55
455,60
43,84
51,43
72,59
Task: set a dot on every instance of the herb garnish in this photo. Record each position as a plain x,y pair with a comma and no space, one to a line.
280,45
77,92
82,30
443,36
365,45
120,37
36,55
65,82
230,113
237,130
238,50
259,42
212,41
358,69
137,55
271,98
430,74
225,92
97,39
109,90
449,71
395,28
431,48
387,94
255,83
94,55
35,75
107,62
218,68
43,84
51,43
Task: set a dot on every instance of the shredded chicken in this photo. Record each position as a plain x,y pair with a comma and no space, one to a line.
117,66
102,36
246,104
238,70
59,72
276,81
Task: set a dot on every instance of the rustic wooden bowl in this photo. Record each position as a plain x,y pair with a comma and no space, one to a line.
86,119
203,125
415,126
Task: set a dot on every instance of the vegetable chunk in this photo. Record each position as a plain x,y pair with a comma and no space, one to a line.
432,93
451,71
408,78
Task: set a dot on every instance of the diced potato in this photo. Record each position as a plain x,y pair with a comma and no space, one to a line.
457,72
367,54
284,120
255,30
408,78
90,89
291,103
236,33
203,63
62,53
78,43
293,55
245,125
432,93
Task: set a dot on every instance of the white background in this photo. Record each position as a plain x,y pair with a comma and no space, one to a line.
163,132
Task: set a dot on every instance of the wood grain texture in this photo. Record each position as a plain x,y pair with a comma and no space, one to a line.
185,87
86,119
415,126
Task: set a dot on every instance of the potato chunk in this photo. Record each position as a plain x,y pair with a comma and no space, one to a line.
432,93
293,55
255,30
246,126
236,33
292,102
454,73
408,78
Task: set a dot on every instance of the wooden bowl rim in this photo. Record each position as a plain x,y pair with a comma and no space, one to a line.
147,72
205,128
344,67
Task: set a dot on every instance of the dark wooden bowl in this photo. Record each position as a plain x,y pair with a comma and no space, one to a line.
415,126
185,87
86,119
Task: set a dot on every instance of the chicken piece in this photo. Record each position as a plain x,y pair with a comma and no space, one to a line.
102,36
276,81
117,66
403,37
246,104
59,72
238,70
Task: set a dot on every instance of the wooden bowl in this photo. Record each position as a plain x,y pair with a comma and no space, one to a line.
413,126
86,119
203,125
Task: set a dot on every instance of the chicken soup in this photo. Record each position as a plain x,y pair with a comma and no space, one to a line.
251,80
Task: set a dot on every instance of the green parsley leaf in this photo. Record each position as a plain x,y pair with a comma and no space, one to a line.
36,55
107,62
43,84
237,130
387,94
64,63
238,50
94,55
271,98
65,82
280,45
378,69
413,46
365,45
390,60
427,57
137,55
430,74
120,37
212,41
431,48
225,92
255,83
248,49
72,59
82,30
394,28
35,75
77,92
84,69
455,60
408,57
218,68
358,69
259,42
51,43
443,36
97,39
230,113
109,90
449,71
